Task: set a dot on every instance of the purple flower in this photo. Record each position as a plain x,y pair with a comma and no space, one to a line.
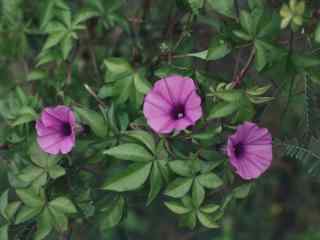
172,104
250,150
56,130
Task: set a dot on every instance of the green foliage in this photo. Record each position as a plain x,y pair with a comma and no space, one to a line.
250,60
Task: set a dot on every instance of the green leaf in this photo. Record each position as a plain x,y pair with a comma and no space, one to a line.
40,158
229,95
59,220
130,152
198,193
40,182
302,61
84,15
245,113
163,167
130,179
181,167
223,109
206,220
210,180
202,55
145,138
4,232
4,204
48,56
25,115
27,213
44,226
118,66
31,173
155,182
257,91
210,208
95,121
218,49
66,45
224,7
196,5
179,187
261,57
36,75
317,34
177,207
63,205
189,220
54,39
65,16
113,213
246,22
56,171
187,202
141,84
242,35
30,198
54,26
256,4
242,191
12,209
48,13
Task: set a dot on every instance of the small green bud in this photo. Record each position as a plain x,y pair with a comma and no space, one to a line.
292,14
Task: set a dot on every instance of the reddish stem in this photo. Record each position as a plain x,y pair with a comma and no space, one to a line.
239,77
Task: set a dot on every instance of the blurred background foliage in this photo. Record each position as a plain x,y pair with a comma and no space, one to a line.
55,55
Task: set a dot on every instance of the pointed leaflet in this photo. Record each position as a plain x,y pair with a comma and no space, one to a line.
131,152
131,178
156,182
179,187
145,138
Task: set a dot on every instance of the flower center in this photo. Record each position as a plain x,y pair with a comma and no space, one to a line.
66,129
238,150
178,112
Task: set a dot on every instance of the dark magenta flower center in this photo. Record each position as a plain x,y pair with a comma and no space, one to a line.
178,112
66,129
239,150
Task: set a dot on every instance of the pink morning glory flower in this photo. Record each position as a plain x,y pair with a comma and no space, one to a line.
172,104
250,150
56,130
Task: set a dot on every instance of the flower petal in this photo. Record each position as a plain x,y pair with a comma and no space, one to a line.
49,119
257,135
175,89
162,124
50,143
66,145
61,112
194,115
186,90
42,130
155,106
183,123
